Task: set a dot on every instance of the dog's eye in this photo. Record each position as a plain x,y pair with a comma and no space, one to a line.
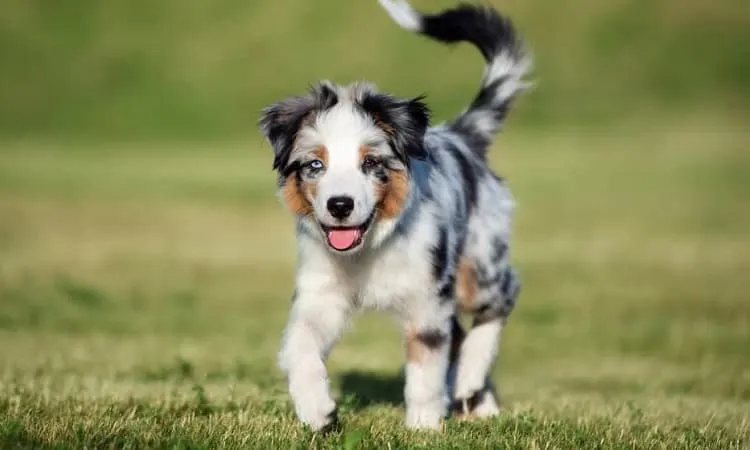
315,164
370,162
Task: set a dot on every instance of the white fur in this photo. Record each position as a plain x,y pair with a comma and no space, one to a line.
342,133
424,393
403,14
478,352
309,336
396,278
487,405
507,65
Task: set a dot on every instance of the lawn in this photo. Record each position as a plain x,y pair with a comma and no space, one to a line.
143,291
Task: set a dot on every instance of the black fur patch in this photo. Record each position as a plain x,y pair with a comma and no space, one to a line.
487,277
289,169
510,287
499,249
486,314
457,336
440,254
333,425
468,173
447,289
432,339
281,121
471,402
379,171
482,26
382,175
479,142
404,121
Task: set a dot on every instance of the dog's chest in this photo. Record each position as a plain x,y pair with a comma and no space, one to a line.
397,279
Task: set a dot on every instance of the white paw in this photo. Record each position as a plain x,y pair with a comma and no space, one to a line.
425,417
487,405
468,383
317,416
312,402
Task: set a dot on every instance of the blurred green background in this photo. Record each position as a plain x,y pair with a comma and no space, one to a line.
198,69
146,265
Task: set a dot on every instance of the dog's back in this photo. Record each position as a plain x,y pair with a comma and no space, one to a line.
475,204
458,152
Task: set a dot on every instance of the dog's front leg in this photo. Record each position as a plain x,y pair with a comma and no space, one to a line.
427,353
315,324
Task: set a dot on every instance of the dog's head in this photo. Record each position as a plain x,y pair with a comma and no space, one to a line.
342,154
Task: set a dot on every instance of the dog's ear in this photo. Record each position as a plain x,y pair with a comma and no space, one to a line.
404,121
281,121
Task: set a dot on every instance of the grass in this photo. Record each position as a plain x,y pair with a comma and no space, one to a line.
143,290
144,287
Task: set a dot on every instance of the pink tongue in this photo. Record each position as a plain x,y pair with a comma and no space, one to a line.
342,239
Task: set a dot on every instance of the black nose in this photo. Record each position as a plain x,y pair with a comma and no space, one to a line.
341,206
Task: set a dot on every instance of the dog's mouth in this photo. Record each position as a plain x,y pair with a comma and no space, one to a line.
346,238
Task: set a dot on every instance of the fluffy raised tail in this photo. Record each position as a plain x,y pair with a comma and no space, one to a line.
496,38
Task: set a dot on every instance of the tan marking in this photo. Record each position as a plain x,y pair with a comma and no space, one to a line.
466,285
295,197
393,194
418,345
321,152
311,189
415,349
299,198
364,150
382,125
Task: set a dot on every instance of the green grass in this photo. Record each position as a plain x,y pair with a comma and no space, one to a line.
143,290
144,284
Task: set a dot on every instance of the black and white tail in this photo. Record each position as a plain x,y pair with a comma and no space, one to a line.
496,38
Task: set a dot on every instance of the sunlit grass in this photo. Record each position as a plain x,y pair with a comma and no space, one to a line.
143,291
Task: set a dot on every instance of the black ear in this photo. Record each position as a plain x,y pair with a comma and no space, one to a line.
281,121
405,122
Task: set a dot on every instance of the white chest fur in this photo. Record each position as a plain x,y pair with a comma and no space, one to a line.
399,276
396,277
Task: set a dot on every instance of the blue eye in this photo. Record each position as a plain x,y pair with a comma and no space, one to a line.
315,164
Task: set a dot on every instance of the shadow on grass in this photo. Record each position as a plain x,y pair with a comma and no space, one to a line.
371,388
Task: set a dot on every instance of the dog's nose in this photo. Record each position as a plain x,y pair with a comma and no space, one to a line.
340,206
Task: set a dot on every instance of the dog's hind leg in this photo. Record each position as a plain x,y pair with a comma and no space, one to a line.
474,393
473,389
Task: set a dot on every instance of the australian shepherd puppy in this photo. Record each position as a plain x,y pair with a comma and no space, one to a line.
397,215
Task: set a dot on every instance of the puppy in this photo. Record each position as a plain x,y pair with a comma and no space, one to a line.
395,215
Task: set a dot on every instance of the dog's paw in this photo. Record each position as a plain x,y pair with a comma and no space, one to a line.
424,418
487,405
312,400
468,384
480,405
321,417
333,425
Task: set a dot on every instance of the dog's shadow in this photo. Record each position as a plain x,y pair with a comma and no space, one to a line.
371,388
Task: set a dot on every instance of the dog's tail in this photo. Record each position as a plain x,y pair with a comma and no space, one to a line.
496,38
